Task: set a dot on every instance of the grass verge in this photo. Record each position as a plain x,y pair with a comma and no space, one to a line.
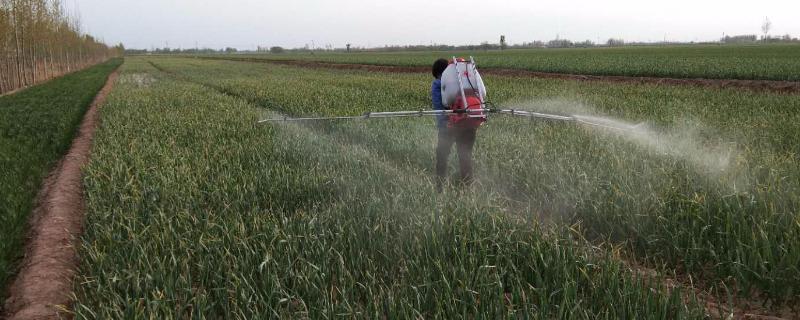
36,128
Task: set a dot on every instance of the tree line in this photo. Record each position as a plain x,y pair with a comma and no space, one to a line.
166,50
555,43
39,41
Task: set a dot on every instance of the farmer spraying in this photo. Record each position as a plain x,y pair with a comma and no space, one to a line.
457,86
458,98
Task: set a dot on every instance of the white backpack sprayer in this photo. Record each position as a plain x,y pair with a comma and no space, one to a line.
464,93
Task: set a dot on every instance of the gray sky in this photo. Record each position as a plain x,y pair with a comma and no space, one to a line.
247,23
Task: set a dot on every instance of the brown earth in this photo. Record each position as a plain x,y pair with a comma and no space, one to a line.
715,301
8,93
756,85
42,288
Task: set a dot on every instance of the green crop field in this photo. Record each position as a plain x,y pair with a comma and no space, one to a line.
764,62
194,210
36,128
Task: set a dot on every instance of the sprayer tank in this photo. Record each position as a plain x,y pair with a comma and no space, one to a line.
470,82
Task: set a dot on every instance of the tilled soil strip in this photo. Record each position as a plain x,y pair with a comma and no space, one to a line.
756,85
713,300
42,288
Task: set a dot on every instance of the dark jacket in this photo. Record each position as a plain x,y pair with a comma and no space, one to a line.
436,101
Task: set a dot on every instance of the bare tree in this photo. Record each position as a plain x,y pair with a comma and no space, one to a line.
39,41
765,27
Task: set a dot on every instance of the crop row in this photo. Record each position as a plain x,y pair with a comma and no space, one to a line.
710,189
752,62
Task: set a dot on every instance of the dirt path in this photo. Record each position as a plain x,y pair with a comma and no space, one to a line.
42,288
756,85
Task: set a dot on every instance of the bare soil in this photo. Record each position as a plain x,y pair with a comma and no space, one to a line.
755,85
716,302
8,93
42,288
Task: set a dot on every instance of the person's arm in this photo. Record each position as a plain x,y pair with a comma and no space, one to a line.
436,95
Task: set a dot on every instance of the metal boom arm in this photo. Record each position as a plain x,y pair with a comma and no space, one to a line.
420,113
513,112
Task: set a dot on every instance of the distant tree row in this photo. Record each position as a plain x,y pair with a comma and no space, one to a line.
437,47
181,51
555,43
751,38
39,41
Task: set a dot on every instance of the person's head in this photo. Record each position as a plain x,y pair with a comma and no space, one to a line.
438,67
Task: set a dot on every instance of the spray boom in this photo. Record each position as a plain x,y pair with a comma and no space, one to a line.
462,88
471,112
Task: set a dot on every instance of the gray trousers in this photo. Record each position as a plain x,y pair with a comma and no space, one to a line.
464,139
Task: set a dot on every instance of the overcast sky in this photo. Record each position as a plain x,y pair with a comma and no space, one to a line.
247,23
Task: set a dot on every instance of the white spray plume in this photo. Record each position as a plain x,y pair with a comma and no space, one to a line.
682,142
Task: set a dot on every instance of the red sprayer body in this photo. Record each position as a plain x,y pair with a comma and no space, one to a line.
463,90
